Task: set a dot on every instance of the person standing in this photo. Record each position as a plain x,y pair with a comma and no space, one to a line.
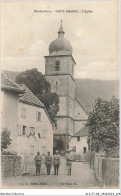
38,160
56,162
48,163
69,160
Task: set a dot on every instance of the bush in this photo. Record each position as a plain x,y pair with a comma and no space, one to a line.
103,125
8,153
5,138
113,153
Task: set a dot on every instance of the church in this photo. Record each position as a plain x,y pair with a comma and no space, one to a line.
59,71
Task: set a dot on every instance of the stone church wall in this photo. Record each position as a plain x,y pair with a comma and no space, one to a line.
64,124
63,85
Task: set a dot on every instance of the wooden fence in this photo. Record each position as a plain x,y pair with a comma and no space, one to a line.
106,170
81,157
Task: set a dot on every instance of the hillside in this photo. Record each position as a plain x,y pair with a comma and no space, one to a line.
11,74
87,90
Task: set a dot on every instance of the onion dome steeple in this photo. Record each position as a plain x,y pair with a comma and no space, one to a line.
61,45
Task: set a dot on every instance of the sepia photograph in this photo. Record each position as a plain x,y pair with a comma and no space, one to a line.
60,95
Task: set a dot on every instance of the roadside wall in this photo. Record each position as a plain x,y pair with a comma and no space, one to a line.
11,165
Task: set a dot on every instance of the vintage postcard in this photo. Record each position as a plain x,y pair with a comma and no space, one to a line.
60,95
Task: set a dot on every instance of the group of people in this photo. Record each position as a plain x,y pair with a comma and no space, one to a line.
55,160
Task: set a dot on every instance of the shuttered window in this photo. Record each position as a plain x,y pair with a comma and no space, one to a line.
23,113
31,149
24,130
44,150
44,132
38,116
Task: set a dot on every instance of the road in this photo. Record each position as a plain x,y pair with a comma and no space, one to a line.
82,178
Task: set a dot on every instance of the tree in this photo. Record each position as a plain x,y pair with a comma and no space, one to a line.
41,88
103,124
5,138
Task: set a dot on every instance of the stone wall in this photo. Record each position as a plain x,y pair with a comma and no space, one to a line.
11,165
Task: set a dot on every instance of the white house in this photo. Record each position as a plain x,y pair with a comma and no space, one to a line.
78,141
9,108
35,129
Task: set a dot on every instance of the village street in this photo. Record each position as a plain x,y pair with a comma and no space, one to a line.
82,177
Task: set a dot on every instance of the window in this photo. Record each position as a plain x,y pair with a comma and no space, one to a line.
57,68
57,62
84,150
43,133
23,112
39,136
31,149
57,65
74,148
24,130
32,130
38,116
43,150
78,138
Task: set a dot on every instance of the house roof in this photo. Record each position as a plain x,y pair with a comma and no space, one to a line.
30,98
8,84
82,132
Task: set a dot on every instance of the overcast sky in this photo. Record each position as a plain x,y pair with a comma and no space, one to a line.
94,37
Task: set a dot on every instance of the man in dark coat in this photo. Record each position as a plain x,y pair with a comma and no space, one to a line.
38,160
48,163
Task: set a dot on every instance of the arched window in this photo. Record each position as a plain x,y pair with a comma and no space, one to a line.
56,86
57,65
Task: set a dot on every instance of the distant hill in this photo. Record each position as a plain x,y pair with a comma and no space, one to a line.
11,74
87,90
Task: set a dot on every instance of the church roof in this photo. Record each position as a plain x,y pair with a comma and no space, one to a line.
61,45
8,84
30,98
82,132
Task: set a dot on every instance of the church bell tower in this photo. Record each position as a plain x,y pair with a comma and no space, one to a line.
59,71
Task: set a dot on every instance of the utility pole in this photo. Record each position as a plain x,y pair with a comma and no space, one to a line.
66,140
90,143
90,149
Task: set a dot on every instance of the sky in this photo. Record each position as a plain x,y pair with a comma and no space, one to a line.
94,36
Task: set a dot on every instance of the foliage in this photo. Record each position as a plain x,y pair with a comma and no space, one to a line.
8,153
103,124
5,138
41,88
